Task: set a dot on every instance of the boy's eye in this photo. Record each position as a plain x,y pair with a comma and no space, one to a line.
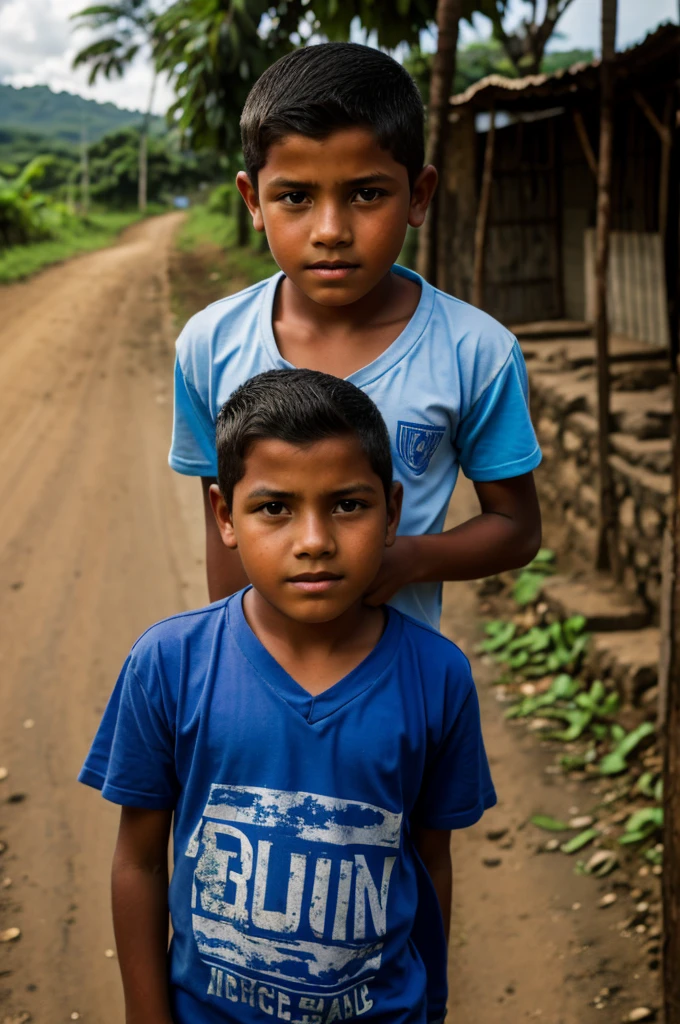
273,508
294,198
348,505
368,195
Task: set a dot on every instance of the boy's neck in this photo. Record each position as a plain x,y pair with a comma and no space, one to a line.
318,654
342,339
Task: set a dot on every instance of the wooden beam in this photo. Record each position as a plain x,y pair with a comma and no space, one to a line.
664,171
580,126
661,130
483,214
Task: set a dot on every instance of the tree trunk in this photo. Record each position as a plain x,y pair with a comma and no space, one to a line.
143,179
671,727
483,215
441,83
607,552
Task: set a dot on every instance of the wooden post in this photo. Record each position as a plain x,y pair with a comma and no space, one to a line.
607,552
483,214
671,643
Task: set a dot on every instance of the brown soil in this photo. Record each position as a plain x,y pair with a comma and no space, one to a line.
99,539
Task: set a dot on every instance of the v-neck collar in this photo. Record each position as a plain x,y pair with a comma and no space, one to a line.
402,344
313,708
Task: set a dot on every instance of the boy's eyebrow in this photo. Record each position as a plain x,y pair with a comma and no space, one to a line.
272,494
358,488
363,180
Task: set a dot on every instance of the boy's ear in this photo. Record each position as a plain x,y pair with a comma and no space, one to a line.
222,517
421,195
250,198
394,513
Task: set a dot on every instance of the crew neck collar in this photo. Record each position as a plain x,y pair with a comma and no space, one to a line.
401,345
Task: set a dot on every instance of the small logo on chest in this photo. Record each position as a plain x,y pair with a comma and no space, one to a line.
417,443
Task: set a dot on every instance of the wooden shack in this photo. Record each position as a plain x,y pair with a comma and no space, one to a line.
538,258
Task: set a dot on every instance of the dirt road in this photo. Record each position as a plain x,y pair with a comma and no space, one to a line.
97,540
94,546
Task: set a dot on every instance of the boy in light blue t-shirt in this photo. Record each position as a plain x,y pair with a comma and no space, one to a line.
333,145
311,755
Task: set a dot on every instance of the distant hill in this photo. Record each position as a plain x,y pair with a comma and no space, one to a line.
61,116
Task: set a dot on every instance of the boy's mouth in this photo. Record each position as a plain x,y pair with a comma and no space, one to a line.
314,582
332,270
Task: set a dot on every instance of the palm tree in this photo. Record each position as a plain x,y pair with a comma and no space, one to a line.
125,29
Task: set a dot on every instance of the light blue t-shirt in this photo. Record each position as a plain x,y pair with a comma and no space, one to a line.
452,389
297,892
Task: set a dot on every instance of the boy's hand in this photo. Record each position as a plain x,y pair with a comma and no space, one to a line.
506,535
399,567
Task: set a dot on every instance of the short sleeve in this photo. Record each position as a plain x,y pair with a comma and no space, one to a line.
132,756
457,786
193,430
495,439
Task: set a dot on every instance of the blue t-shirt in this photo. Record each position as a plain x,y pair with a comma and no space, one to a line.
452,389
296,881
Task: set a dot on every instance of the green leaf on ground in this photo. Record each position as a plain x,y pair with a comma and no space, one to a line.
549,824
579,841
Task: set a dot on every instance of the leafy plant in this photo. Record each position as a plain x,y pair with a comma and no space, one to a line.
529,582
615,762
641,825
541,649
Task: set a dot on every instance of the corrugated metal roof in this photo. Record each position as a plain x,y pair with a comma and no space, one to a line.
518,91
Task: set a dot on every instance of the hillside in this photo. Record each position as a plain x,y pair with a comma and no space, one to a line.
61,116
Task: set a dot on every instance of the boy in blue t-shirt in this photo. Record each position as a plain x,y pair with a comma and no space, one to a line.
310,753
333,146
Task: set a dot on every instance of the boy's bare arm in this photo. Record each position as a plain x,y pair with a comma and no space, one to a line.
506,535
434,847
224,570
139,889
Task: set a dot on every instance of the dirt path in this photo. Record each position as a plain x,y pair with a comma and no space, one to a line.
94,547
99,539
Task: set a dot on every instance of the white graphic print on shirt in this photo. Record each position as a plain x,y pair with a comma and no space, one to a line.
289,899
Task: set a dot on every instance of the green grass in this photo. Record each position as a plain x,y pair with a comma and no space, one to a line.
204,227
100,229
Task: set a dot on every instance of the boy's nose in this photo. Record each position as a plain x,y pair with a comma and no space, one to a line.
331,226
314,539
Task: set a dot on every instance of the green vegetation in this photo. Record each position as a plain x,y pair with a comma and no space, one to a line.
206,228
94,232
61,116
476,60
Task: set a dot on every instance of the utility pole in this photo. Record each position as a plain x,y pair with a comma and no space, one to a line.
84,175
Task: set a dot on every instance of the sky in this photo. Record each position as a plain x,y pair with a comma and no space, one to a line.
37,44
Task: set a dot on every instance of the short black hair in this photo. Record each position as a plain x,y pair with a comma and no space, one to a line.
317,89
299,407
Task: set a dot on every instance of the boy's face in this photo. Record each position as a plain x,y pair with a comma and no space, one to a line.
311,524
335,211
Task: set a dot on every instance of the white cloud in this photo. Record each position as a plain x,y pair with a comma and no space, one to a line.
38,44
